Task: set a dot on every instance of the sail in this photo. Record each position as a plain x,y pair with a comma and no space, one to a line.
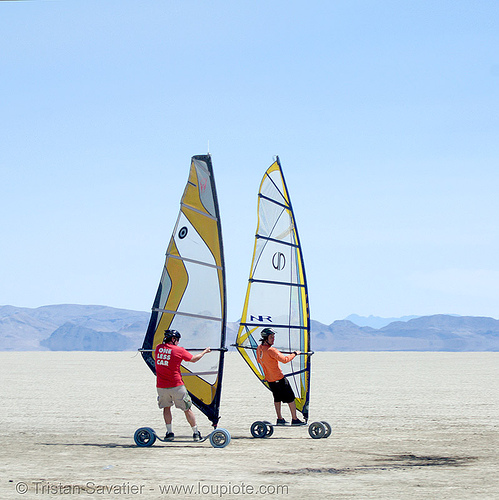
277,294
191,295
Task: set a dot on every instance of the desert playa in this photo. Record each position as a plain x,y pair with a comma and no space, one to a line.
405,425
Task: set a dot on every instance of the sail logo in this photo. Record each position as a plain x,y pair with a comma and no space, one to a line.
182,233
278,261
202,184
261,319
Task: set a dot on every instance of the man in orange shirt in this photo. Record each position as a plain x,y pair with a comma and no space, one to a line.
269,357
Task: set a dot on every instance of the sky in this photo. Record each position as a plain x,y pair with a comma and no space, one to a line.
384,114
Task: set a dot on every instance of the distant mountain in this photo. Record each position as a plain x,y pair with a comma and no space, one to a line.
71,337
427,333
25,329
100,328
375,321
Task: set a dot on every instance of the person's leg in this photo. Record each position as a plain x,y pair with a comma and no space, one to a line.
277,405
167,415
191,418
292,409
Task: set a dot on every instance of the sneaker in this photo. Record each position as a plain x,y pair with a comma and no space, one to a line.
197,436
281,421
169,436
297,421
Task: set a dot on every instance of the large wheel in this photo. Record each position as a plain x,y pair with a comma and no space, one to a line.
328,428
259,429
220,438
317,430
144,436
270,428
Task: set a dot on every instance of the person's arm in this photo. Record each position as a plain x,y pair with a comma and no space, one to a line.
198,356
275,353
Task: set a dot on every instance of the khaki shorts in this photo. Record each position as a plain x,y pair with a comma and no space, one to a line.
174,395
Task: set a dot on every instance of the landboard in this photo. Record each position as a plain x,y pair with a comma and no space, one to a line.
316,430
145,437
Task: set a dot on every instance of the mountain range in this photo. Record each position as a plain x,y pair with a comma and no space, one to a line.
70,327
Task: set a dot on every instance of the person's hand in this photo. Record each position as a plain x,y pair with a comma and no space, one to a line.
208,349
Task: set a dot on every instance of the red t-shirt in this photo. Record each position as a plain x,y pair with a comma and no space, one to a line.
168,358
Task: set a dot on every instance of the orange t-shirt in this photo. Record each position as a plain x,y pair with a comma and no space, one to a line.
269,358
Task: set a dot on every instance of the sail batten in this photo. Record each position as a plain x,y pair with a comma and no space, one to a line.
285,283
301,327
197,374
208,216
277,294
184,259
259,237
212,318
191,295
275,202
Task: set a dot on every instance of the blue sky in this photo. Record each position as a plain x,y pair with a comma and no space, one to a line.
385,115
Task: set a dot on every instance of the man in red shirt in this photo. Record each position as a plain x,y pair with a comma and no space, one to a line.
269,357
170,386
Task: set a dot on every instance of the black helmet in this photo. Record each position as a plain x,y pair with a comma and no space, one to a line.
266,332
170,334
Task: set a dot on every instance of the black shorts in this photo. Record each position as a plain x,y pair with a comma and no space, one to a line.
282,391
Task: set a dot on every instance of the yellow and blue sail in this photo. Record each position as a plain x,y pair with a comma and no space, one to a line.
277,294
191,296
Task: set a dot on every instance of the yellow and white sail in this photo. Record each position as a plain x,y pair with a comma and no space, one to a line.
277,295
191,296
